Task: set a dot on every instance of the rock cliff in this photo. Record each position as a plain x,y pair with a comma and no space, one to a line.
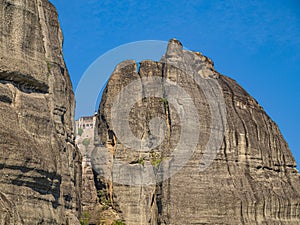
40,167
246,175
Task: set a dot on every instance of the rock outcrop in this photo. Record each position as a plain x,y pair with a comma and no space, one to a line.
40,167
251,178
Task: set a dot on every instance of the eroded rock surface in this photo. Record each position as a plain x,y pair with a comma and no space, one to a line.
40,167
252,180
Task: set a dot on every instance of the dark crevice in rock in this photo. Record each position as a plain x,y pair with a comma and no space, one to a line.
24,83
43,185
268,168
5,99
159,204
27,169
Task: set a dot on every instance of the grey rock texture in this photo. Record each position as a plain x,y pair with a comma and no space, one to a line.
252,179
89,192
85,142
40,167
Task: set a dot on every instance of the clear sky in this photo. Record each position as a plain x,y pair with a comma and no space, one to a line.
255,42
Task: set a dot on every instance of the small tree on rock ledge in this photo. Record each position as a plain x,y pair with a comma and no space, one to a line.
86,142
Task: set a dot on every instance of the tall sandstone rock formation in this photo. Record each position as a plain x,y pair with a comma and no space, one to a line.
40,167
252,180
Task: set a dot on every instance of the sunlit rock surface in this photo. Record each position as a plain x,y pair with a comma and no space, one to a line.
251,180
40,168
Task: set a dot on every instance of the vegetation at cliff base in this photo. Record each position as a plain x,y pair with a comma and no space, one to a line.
118,222
85,218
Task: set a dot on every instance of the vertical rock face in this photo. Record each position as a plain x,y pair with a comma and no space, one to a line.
40,167
85,143
251,180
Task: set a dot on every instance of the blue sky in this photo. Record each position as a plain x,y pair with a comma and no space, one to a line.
255,42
